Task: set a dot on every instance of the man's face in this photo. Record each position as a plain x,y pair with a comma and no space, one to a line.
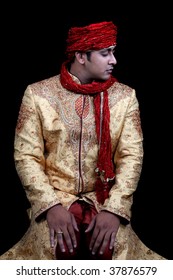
100,64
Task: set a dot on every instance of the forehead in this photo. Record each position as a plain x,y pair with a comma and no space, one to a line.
110,48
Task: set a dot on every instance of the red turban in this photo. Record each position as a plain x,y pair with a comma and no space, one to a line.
92,37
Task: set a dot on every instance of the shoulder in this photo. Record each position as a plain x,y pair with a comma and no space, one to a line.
122,88
44,85
120,91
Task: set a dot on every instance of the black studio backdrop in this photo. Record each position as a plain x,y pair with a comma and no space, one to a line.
33,50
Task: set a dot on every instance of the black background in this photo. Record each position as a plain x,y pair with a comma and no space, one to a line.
32,48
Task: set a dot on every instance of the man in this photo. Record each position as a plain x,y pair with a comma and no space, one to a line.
78,153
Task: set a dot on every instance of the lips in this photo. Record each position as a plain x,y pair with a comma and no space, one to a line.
109,71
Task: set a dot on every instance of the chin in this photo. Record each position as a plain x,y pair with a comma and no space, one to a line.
106,77
103,78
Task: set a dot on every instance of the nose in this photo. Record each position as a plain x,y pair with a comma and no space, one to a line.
112,59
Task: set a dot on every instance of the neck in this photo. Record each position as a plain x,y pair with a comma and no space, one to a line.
79,71
85,88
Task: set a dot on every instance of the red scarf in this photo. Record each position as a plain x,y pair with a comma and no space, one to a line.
105,169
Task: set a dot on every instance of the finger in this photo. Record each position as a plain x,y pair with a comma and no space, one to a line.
60,240
68,240
91,225
72,235
52,238
104,243
98,242
93,239
74,223
112,241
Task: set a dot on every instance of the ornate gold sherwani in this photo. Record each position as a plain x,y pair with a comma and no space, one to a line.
56,153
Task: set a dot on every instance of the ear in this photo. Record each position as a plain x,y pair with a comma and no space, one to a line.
80,56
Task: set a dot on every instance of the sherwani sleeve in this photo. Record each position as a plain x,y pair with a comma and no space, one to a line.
128,160
29,156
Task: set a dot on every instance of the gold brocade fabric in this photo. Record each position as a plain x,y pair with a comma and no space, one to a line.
60,168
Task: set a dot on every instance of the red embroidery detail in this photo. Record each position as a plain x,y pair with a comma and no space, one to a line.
82,109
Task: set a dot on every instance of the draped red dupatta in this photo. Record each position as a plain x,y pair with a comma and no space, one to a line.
105,169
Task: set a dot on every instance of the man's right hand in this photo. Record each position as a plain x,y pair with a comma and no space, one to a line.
63,225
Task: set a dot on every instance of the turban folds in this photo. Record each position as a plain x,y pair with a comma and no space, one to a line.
92,37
